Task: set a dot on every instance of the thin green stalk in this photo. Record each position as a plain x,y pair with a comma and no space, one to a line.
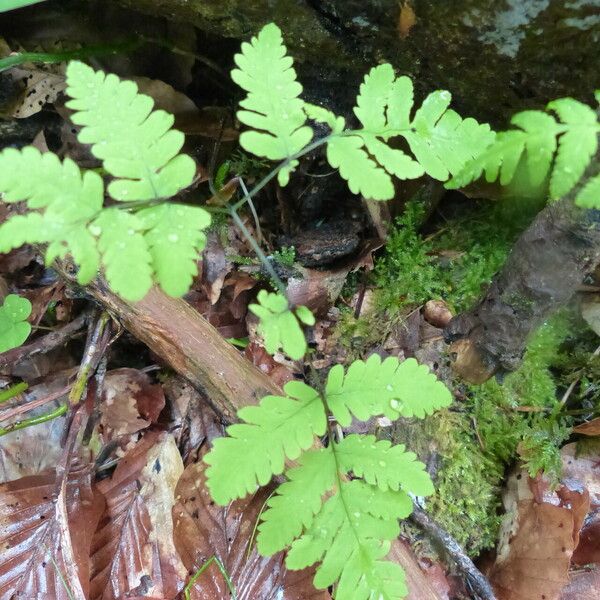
271,175
53,414
258,251
196,575
12,391
57,57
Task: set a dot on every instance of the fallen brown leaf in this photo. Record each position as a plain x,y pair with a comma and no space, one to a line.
538,540
132,549
130,402
590,428
204,530
44,555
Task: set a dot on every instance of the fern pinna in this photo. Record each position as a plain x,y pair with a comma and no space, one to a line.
133,240
544,147
340,503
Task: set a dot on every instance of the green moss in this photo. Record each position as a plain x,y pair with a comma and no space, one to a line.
455,264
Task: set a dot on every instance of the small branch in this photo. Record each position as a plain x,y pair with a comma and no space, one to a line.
46,343
479,583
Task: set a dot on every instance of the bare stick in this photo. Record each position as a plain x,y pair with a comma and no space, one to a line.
46,343
479,583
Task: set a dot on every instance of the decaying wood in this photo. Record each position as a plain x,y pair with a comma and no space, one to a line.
188,344
543,271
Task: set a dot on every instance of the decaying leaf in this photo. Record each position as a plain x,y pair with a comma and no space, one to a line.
130,402
590,428
45,536
39,88
538,539
132,549
203,530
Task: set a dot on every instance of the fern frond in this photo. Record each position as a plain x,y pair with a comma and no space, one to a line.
381,464
546,147
272,107
124,253
14,328
441,141
69,198
256,450
391,388
174,234
303,490
136,144
349,536
280,326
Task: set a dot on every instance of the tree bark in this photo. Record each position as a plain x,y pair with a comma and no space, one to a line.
543,270
188,344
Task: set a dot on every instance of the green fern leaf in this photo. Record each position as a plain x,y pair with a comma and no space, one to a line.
391,388
349,536
589,195
279,427
136,144
175,239
124,253
14,328
322,115
303,491
381,464
362,174
279,326
575,147
535,145
69,198
272,107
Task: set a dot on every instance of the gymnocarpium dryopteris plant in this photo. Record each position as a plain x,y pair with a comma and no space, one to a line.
139,237
546,146
340,505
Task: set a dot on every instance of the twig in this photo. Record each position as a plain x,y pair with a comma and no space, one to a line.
479,583
96,344
18,410
46,343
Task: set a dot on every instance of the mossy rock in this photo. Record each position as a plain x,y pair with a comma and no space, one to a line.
495,56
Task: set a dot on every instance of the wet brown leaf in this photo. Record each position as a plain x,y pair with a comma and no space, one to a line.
39,87
590,428
132,549
43,553
203,530
538,541
130,402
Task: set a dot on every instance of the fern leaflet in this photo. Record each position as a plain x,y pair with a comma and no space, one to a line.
70,199
272,106
135,143
391,388
317,513
280,326
278,427
14,328
561,149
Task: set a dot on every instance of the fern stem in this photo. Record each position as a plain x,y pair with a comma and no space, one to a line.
258,250
271,175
